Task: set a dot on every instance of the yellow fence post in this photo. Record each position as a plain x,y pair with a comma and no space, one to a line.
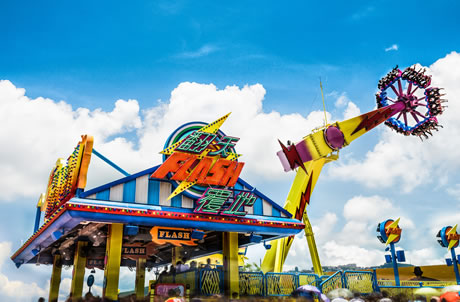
140,278
55,279
230,257
78,274
113,261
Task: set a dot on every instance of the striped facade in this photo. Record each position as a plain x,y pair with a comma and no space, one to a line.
139,188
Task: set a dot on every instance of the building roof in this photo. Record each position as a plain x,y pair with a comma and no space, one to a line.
139,200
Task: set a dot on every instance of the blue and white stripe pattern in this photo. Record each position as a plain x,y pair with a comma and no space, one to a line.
139,188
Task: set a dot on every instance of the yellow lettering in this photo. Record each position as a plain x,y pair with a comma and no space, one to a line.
162,234
186,235
174,235
168,235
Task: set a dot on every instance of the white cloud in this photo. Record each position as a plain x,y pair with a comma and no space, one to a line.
351,111
353,238
340,254
454,191
41,130
405,163
392,47
343,102
201,52
342,99
14,289
35,132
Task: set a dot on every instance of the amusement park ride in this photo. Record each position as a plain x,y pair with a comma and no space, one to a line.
194,204
405,102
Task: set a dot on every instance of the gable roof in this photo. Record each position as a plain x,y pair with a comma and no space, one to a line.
139,188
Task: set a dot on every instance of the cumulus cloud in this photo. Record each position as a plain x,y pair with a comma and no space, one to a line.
41,130
351,237
406,162
344,103
35,132
15,290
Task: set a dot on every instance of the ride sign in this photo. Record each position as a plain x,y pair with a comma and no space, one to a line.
214,200
203,157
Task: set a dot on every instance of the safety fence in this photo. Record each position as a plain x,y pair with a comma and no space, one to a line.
209,282
280,284
360,281
310,279
409,288
205,282
333,282
252,283
363,282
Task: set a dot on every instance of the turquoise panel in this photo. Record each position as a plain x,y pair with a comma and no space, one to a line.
258,207
275,212
176,201
103,195
129,191
154,192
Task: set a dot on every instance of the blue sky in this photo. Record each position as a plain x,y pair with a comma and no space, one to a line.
91,54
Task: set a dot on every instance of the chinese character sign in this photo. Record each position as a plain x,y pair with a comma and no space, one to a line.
204,157
196,142
218,202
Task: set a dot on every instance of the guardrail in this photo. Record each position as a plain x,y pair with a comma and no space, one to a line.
363,282
211,281
280,284
252,284
333,282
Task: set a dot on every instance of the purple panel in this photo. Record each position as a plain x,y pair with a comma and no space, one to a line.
303,151
284,161
334,137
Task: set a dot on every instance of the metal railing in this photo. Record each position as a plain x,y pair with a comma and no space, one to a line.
252,284
305,279
280,284
211,282
331,283
363,282
408,287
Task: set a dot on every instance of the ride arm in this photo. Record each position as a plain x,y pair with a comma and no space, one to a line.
310,155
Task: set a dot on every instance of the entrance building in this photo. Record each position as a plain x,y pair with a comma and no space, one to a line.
146,221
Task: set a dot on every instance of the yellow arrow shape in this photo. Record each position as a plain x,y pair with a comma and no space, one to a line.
392,226
209,128
452,232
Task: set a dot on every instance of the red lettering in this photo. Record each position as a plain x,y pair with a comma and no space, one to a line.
231,176
217,172
174,162
201,170
183,171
